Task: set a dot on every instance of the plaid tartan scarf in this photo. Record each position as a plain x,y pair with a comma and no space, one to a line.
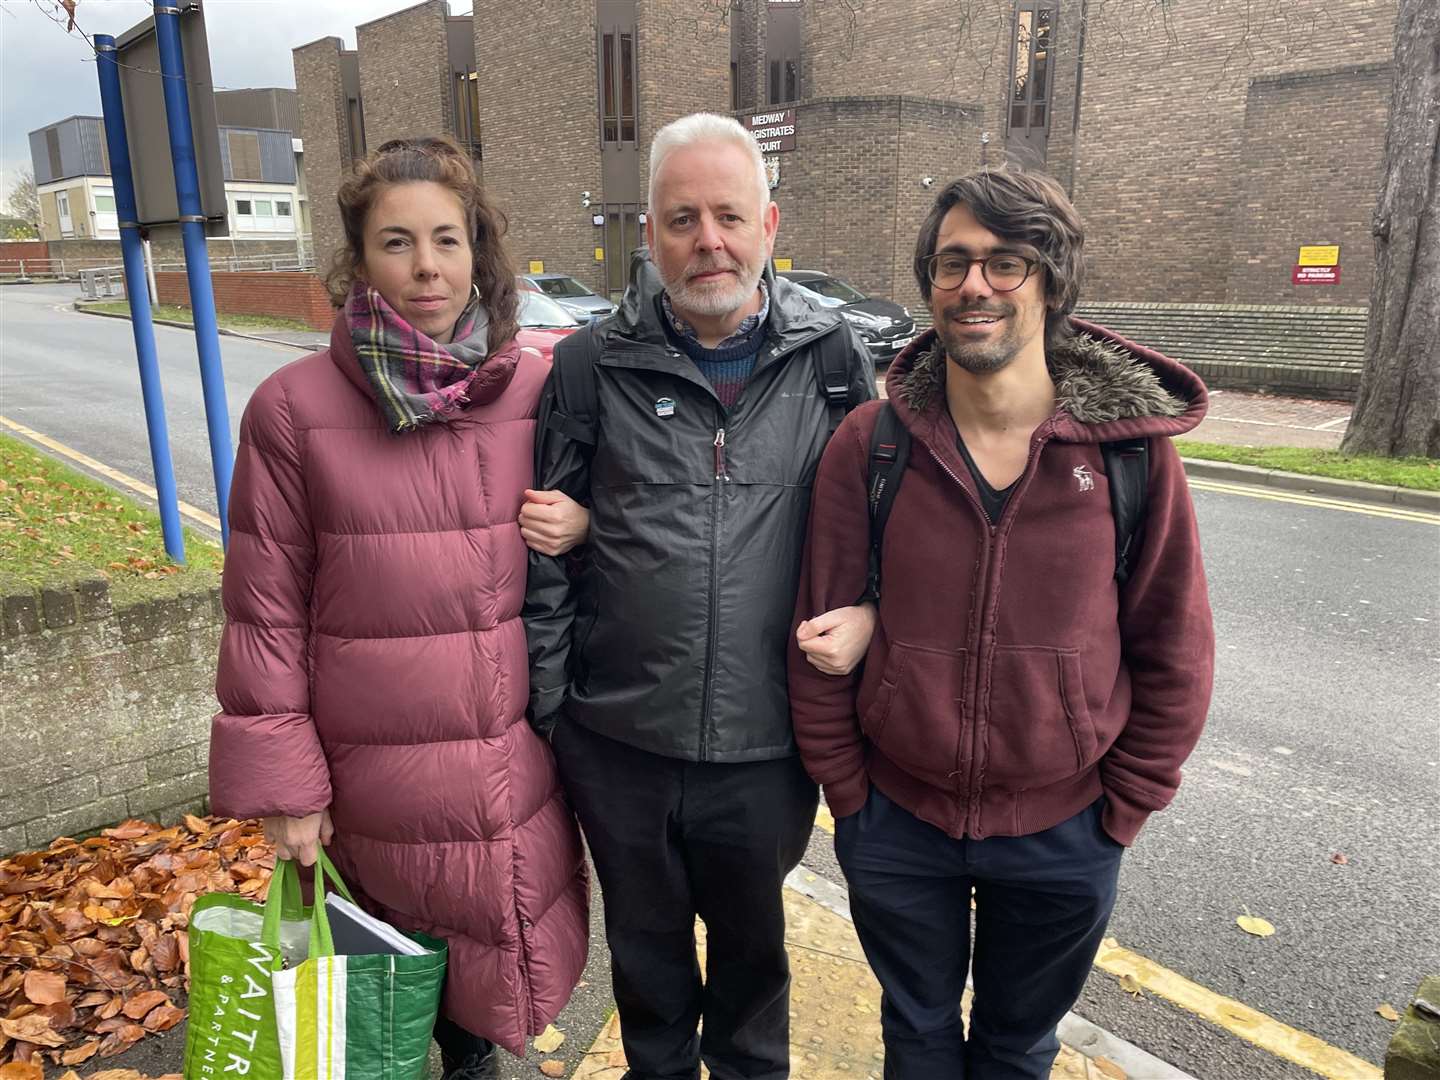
416,380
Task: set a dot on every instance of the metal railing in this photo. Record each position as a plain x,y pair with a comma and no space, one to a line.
22,270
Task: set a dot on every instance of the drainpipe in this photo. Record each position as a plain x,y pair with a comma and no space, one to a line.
1079,87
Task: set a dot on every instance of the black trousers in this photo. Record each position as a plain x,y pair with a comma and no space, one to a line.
1041,904
671,840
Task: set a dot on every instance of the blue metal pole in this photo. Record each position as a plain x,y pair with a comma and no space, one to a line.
137,289
197,257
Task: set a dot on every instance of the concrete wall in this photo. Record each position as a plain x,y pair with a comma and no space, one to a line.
109,691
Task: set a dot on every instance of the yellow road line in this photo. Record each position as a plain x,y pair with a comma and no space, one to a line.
1397,513
1270,1035
194,513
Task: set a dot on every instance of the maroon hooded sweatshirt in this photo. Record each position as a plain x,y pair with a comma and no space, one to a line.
1011,680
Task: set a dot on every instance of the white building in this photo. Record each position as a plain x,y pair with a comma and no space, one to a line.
264,188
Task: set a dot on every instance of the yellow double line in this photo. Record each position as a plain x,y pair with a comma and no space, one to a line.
1321,502
1238,1019
194,513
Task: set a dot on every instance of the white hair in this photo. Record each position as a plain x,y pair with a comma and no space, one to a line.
701,128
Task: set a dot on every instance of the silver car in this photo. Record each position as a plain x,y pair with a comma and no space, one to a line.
574,297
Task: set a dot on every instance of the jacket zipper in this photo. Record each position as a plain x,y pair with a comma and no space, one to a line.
987,578
722,478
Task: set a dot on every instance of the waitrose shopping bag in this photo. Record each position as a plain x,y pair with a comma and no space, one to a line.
361,1017
269,1000
236,946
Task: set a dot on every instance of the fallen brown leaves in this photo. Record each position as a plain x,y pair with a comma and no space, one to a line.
92,936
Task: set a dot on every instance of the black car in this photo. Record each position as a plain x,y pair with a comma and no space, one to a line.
883,325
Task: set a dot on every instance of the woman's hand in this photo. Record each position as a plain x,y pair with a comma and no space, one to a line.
299,837
837,640
552,523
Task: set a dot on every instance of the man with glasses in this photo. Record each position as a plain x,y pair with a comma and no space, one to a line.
1040,671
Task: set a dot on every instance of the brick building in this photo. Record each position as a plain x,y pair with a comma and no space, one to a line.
1203,144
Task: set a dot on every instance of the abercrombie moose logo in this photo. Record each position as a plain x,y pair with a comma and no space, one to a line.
1083,478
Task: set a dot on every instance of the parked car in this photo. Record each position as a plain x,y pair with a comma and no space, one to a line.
883,325
543,322
570,294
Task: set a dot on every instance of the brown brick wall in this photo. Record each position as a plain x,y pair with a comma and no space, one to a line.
850,197
1162,134
915,48
1310,174
683,64
405,73
288,295
327,145
541,133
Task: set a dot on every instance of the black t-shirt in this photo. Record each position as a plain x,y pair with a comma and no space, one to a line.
991,500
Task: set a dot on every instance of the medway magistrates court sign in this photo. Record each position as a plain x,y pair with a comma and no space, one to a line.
774,131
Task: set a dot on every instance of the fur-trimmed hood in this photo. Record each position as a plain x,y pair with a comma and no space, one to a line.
1106,388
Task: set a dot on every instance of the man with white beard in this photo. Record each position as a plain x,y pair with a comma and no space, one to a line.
691,423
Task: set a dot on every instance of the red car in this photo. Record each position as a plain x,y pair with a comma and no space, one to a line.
543,322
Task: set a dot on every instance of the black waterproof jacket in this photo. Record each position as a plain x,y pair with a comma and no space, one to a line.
668,630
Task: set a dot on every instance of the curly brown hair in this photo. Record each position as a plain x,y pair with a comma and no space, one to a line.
435,159
1017,205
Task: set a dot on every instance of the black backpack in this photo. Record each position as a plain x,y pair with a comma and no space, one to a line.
1127,465
578,387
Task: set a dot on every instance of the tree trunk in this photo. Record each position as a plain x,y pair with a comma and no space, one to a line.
1398,410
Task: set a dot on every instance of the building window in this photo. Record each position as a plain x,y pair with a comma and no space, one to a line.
355,118
618,79
243,208
104,204
783,39
466,100
244,155
282,207
1032,65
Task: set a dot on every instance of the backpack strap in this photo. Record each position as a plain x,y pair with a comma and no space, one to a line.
1127,465
889,454
575,376
832,368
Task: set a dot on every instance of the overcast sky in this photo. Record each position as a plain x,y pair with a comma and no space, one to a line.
46,75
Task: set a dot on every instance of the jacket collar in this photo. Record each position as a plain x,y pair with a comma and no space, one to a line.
1106,388
639,317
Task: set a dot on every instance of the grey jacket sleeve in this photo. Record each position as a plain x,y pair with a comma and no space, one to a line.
562,463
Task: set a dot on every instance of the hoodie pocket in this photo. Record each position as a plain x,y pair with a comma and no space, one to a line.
1039,730
914,719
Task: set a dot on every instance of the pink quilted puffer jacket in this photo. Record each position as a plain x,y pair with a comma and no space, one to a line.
374,662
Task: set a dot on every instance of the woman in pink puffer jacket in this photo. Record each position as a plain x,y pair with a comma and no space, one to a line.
373,673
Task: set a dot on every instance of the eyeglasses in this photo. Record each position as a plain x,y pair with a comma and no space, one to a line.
1002,272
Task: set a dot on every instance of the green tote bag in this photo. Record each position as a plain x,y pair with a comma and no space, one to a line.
270,1000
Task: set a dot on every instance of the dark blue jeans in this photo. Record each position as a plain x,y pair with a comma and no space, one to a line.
1042,902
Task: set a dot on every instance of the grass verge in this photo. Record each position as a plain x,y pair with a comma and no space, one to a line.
243,323
53,519
1423,474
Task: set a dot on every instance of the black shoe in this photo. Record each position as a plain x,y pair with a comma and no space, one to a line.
479,1064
